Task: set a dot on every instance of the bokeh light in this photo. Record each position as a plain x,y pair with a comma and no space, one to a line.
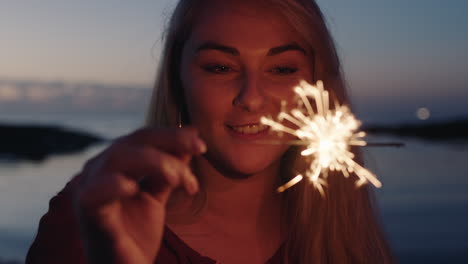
423,113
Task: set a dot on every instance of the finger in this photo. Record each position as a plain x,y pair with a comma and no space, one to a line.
190,182
105,189
152,169
174,172
175,141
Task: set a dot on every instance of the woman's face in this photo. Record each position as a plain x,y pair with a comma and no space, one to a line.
239,63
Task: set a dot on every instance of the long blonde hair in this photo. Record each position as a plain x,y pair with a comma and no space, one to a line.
341,228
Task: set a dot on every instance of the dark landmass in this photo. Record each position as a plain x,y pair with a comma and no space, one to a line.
456,130
37,142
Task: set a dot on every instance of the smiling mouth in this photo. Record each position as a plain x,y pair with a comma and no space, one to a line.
249,129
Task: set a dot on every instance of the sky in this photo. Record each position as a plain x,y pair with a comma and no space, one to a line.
401,53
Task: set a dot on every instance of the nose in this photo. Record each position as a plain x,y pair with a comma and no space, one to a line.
251,96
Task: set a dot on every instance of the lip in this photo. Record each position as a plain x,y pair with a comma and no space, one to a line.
259,135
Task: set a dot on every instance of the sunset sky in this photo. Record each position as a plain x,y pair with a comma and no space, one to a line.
399,52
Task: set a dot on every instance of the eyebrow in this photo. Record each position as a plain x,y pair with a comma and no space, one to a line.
284,48
235,52
218,47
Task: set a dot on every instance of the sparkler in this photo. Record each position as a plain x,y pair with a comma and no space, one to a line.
328,135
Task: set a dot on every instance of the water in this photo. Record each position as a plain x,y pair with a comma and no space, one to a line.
423,200
26,187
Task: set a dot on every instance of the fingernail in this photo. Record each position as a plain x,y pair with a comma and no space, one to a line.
192,186
201,146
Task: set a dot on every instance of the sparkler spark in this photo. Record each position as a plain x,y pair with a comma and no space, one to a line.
327,134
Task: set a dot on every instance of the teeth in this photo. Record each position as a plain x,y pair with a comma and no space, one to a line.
251,129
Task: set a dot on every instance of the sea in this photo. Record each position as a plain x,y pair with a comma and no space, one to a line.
423,202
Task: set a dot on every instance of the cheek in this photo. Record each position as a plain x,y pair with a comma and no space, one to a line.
207,103
282,87
283,91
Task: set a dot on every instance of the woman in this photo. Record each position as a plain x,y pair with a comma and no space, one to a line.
196,185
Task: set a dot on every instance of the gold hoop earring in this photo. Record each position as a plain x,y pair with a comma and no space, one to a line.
179,120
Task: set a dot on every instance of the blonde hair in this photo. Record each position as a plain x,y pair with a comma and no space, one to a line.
341,228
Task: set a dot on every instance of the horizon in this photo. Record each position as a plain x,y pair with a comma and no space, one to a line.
77,98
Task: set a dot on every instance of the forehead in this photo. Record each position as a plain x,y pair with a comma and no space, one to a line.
244,25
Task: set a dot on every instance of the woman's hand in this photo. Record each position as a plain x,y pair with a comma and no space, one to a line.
121,202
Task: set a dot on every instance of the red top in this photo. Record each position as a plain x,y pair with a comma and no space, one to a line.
58,239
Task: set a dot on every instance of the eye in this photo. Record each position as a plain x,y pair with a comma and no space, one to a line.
217,68
283,70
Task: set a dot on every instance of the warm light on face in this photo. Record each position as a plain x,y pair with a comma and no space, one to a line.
328,135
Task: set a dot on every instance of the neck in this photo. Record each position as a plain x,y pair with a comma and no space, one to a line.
238,215
243,199
247,202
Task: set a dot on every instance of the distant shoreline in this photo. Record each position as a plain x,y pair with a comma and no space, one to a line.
439,131
37,142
